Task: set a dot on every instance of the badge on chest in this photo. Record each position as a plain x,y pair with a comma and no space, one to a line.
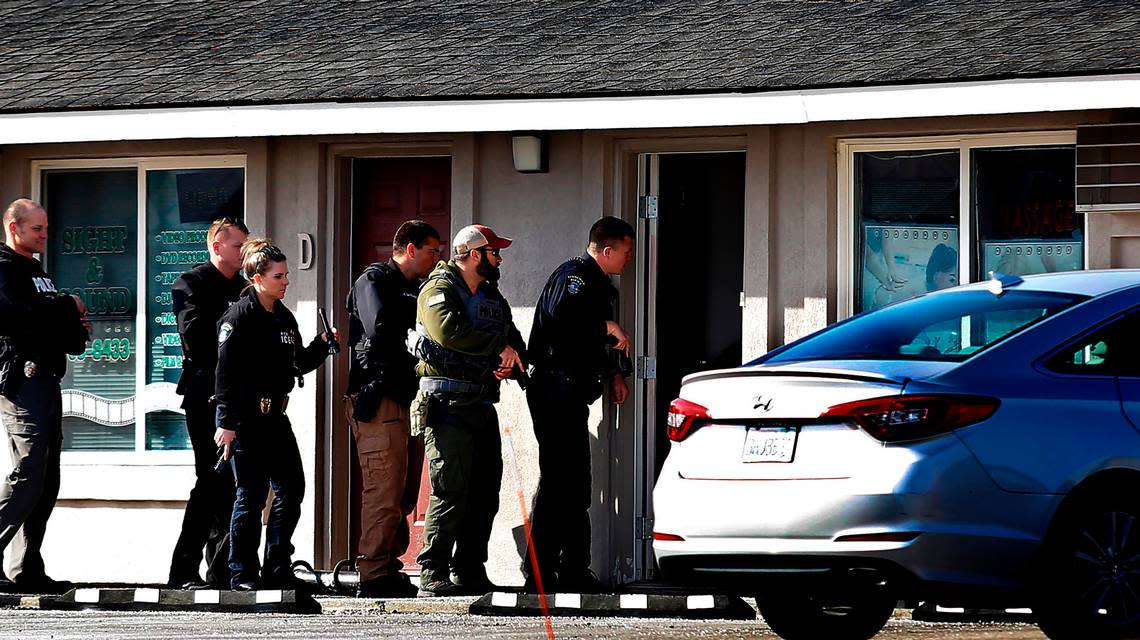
288,337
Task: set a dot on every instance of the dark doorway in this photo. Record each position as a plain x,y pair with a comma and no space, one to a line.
700,264
385,193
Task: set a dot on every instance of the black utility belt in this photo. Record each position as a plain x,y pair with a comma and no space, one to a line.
578,377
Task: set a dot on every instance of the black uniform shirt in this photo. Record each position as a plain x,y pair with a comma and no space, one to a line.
259,356
200,297
382,308
569,331
42,324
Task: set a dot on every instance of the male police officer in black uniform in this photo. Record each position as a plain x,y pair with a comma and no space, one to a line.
200,297
573,324
381,385
38,326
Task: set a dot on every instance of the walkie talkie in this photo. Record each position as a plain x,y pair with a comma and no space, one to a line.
334,345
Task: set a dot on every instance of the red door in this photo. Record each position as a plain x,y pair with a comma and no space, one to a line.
385,193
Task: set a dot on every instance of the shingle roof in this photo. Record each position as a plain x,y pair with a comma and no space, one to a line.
68,54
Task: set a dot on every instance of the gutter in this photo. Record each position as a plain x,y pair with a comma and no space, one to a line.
547,114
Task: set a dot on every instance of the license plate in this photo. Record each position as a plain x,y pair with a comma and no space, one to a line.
769,444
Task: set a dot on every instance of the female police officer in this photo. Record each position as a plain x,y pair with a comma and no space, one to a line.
259,357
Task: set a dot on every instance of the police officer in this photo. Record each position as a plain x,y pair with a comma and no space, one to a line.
200,297
38,326
467,344
260,357
573,326
381,385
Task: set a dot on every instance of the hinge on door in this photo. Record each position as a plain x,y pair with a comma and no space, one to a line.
644,528
647,207
647,368
742,300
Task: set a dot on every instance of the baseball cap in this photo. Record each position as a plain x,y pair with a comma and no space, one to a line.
477,236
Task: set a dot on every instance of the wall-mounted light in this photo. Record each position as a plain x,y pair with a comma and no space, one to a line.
530,152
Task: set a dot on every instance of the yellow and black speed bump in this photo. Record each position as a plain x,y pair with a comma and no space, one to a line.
142,599
634,605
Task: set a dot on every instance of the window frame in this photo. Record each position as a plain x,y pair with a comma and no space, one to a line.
139,456
964,144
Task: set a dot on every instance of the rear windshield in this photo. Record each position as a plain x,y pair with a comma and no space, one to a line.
947,326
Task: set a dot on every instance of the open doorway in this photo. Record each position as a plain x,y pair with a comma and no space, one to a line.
385,193
691,279
700,266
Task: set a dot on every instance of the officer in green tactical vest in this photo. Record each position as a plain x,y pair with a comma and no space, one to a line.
466,343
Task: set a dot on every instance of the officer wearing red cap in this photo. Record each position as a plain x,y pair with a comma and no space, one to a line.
466,343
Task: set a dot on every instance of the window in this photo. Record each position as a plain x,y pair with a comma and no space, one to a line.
950,326
1108,351
121,233
924,214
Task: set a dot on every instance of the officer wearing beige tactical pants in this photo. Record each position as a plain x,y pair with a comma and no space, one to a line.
390,463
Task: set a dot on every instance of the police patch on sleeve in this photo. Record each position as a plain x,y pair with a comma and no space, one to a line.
574,284
224,332
436,299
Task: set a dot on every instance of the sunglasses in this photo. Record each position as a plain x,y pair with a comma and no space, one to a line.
223,224
494,252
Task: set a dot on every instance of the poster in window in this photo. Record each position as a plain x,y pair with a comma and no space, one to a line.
1027,257
903,260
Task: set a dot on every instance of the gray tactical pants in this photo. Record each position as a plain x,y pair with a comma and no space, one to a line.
28,493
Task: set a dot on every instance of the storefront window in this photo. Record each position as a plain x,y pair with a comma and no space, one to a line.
908,229
92,252
97,250
906,211
1023,211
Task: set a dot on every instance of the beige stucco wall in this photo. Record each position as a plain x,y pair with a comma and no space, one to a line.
118,521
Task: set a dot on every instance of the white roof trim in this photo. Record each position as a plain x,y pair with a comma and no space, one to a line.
778,107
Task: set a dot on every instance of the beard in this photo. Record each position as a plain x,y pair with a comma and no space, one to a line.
488,271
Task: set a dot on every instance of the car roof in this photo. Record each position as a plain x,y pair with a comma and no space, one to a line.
1087,283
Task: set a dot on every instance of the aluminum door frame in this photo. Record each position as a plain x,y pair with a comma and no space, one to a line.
645,346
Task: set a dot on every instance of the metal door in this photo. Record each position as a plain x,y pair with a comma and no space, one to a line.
645,358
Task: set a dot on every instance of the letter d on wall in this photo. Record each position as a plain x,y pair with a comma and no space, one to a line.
305,251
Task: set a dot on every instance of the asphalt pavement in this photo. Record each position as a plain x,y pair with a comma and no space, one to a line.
373,622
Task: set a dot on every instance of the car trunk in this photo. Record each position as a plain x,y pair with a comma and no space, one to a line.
764,421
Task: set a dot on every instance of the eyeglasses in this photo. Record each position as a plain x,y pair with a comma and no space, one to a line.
494,252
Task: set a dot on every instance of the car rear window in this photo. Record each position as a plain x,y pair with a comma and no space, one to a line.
948,326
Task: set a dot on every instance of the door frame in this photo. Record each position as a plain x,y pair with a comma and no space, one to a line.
637,170
332,491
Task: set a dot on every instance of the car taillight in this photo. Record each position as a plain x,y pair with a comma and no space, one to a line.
902,418
684,417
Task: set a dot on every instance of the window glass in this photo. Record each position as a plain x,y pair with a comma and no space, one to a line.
948,326
92,253
906,219
180,204
1023,210
1109,351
